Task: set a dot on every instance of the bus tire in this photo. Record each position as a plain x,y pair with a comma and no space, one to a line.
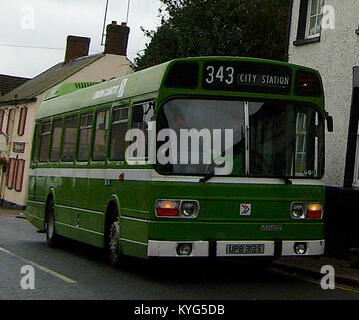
53,240
113,248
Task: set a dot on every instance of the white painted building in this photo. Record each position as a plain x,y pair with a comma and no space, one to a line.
332,48
18,108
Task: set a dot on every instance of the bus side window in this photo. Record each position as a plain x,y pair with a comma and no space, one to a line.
119,129
56,140
141,114
45,141
36,145
70,134
85,137
101,130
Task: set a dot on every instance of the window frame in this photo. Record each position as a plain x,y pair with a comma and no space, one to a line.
36,141
52,136
309,16
121,121
10,173
152,143
69,116
41,140
10,121
14,178
2,116
91,127
93,137
303,25
18,184
22,121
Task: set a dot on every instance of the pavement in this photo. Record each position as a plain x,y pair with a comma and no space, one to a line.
346,271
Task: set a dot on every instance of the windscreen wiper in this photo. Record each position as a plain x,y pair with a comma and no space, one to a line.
208,176
286,180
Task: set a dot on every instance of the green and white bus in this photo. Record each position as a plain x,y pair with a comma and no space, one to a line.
82,186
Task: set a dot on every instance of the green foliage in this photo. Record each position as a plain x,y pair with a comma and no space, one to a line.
253,28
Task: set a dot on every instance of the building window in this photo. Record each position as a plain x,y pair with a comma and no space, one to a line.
15,174
19,174
309,22
101,129
2,115
10,121
70,135
10,173
22,121
315,16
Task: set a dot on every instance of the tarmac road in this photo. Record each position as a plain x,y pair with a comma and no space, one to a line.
77,271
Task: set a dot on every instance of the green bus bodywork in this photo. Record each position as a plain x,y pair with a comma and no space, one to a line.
84,192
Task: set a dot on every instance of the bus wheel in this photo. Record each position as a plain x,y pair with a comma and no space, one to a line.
113,241
52,239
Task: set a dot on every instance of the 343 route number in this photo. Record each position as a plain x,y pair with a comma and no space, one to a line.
220,75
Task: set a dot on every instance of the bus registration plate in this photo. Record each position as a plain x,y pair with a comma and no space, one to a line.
245,249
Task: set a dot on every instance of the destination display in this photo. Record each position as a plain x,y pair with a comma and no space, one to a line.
249,77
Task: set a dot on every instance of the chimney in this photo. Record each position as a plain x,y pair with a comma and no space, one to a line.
117,38
76,47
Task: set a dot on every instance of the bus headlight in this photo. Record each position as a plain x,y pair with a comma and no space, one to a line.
306,210
297,211
189,209
176,208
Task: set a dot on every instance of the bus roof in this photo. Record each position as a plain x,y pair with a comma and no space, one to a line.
75,96
137,83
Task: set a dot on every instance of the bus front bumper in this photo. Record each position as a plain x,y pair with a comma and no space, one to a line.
217,248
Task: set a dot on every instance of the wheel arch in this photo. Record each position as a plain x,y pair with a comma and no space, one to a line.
50,195
112,204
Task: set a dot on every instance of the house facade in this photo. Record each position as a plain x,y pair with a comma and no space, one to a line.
324,35
18,108
331,47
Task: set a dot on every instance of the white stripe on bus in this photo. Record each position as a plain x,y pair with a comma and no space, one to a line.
153,176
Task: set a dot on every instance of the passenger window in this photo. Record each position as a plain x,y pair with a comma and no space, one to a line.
56,140
85,137
36,145
68,149
101,131
141,115
45,139
119,129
